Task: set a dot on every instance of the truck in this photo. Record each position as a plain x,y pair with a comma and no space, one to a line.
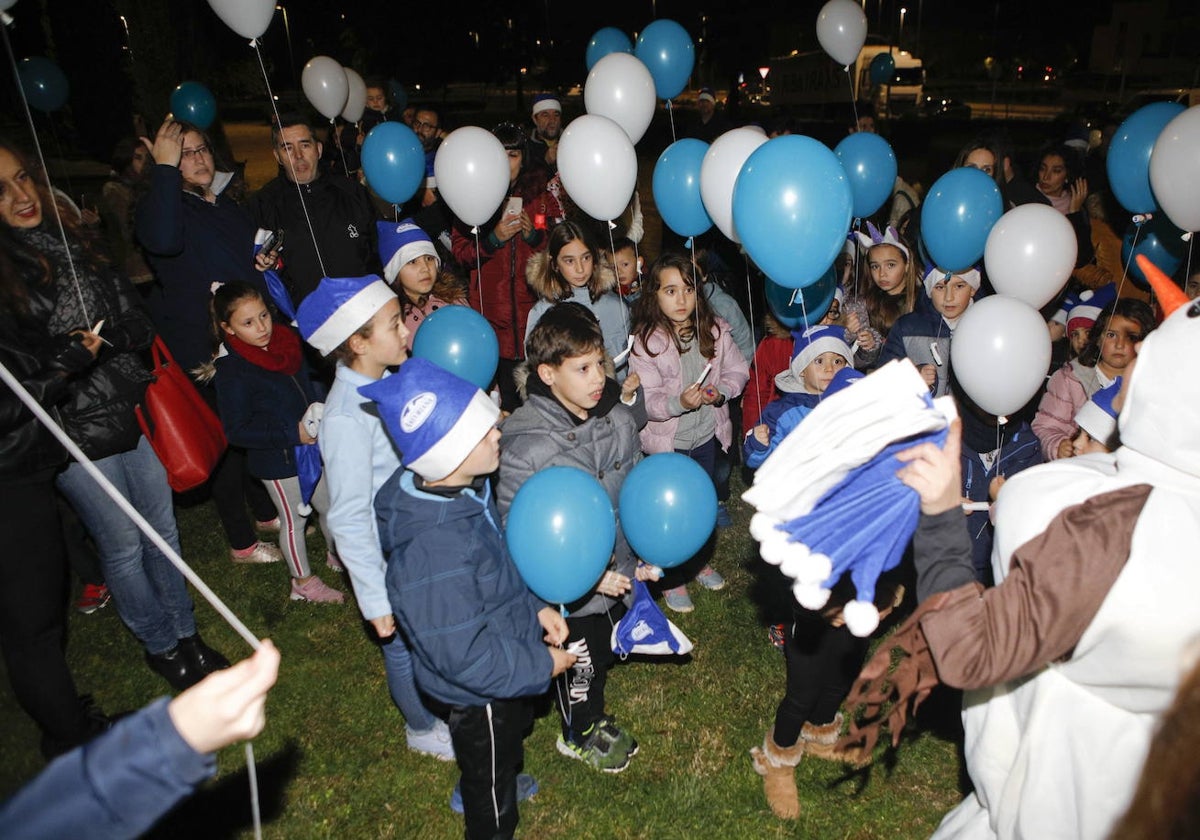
814,82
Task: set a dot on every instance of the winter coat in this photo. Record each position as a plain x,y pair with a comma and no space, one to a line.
42,365
780,417
1066,392
662,382
469,618
724,306
343,219
771,357
1019,451
912,337
609,309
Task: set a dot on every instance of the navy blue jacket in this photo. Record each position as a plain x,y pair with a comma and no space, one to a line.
454,589
191,244
911,337
1020,451
261,410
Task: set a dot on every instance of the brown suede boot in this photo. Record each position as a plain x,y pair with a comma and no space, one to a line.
821,742
777,765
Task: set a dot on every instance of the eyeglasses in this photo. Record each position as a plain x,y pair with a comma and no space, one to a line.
191,154
423,124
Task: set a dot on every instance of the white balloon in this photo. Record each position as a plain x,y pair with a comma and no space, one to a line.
1030,253
356,98
842,30
1000,353
325,85
719,170
5,5
621,88
1175,170
598,166
472,172
248,18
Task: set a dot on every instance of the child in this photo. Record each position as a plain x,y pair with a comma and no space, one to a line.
891,293
568,270
819,353
629,268
476,630
1097,422
412,267
357,321
924,336
575,416
689,368
1078,313
1111,347
264,391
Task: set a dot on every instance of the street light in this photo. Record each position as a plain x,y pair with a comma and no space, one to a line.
903,12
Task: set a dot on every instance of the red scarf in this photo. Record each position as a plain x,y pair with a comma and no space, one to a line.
282,355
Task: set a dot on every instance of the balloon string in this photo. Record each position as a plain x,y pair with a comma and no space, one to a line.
479,267
335,136
853,98
279,125
62,232
753,323
252,773
61,156
612,249
671,116
1137,231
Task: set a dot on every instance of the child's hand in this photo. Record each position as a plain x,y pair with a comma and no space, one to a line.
629,387
852,323
562,661
385,626
526,225
614,585
762,434
994,487
865,339
1066,448
709,395
929,374
554,625
305,437
691,398
647,572
935,473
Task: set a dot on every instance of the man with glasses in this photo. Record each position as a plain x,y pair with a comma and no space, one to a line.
329,220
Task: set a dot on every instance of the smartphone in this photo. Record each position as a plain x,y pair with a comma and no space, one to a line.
513,207
274,242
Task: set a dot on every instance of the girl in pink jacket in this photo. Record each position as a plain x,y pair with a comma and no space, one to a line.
690,368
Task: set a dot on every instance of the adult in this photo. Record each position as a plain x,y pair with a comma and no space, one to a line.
709,124
195,235
426,208
547,121
131,163
329,220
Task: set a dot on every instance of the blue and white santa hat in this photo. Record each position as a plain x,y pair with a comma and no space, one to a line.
1088,306
809,344
434,417
545,102
400,243
338,308
935,275
645,630
1098,417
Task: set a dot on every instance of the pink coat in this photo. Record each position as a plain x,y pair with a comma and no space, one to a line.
1066,392
662,380
417,314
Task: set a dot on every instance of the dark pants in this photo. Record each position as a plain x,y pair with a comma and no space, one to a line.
822,662
510,397
581,699
32,607
488,747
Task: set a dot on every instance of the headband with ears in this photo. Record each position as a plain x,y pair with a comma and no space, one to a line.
890,236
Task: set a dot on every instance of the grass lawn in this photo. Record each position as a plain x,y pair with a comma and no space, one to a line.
332,761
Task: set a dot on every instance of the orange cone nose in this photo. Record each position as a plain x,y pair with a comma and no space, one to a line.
1170,296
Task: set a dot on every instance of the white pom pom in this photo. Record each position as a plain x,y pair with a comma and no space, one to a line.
762,526
810,596
862,618
820,567
795,560
774,549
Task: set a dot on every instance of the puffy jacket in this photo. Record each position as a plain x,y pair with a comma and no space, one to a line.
41,364
609,309
780,417
1066,392
453,587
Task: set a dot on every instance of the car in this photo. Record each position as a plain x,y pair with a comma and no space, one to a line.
935,104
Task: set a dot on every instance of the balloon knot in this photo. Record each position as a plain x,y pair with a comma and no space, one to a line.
254,43
1141,218
689,242
1186,236
612,225
6,19
475,230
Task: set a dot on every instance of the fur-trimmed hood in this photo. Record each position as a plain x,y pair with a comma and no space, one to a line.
523,371
537,273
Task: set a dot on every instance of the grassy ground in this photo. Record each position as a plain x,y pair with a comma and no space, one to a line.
333,763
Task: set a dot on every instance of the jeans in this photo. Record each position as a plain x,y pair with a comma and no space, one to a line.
150,594
397,666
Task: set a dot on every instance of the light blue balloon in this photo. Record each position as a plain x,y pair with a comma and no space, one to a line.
561,531
605,41
668,509
667,50
801,308
460,340
957,215
676,187
1128,161
883,68
870,165
393,161
194,103
1159,242
792,207
44,84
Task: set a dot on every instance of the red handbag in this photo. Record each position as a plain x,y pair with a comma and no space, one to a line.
185,433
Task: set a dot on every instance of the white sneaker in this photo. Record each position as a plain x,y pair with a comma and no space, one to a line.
435,742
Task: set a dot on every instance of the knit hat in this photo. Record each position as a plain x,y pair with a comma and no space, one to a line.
934,275
434,417
811,343
545,102
401,242
1098,417
338,308
706,93
1089,304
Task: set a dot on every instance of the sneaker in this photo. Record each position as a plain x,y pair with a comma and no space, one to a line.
724,520
527,786
601,748
777,633
434,742
269,525
624,740
95,596
260,552
710,578
678,599
316,591
334,562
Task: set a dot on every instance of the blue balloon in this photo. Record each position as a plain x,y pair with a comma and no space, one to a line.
398,95
667,50
460,340
958,213
883,69
43,82
791,208
194,103
870,164
800,308
1159,242
668,508
676,187
1128,160
605,41
561,531
393,161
